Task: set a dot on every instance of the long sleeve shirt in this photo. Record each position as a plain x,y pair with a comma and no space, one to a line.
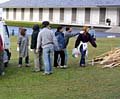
68,36
46,38
85,38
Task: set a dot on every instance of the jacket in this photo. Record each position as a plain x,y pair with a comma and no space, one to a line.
34,37
61,40
85,38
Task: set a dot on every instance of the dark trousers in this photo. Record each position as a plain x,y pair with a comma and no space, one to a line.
82,61
1,63
62,57
26,60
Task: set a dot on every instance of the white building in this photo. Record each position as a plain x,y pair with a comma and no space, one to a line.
69,12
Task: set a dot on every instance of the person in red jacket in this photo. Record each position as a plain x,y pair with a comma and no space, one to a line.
1,57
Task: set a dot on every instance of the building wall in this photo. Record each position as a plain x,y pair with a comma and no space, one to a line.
56,15
45,14
80,18
18,14
94,17
112,14
10,14
36,15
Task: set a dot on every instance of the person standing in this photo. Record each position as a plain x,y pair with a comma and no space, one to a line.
37,56
92,33
23,42
46,40
68,34
81,42
1,57
60,52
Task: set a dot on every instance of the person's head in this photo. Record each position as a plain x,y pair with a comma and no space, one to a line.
23,31
69,29
36,27
60,29
46,24
92,27
85,29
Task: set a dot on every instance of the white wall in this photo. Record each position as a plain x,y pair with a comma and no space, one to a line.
18,14
27,14
94,16
45,14
112,14
10,14
56,15
67,16
36,15
80,16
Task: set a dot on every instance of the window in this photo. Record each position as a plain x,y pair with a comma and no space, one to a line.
40,14
51,14
22,13
87,15
74,14
14,13
61,14
102,15
31,14
7,13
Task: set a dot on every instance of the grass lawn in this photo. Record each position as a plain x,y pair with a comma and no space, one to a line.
91,82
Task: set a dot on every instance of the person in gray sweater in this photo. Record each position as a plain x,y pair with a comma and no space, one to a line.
68,34
47,41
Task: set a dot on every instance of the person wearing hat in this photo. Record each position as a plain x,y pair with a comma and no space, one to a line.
81,43
23,42
46,40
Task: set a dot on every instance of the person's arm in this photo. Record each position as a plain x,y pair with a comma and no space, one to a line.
72,34
78,41
19,41
91,40
39,42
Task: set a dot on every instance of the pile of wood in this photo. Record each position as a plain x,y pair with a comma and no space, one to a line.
109,59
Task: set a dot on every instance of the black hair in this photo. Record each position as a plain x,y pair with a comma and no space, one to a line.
59,28
68,28
36,27
45,23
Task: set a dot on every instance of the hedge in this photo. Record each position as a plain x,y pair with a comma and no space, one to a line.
26,24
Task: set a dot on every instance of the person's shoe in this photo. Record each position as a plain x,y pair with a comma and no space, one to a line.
19,65
62,67
82,65
2,74
36,70
27,65
44,74
65,66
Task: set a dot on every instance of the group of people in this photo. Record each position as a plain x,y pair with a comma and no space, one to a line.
47,45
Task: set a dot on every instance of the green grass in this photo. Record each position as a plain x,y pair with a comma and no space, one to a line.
91,82
26,24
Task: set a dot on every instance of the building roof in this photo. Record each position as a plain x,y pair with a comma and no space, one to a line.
58,3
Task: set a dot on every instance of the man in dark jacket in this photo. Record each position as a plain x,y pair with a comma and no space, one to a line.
1,57
37,56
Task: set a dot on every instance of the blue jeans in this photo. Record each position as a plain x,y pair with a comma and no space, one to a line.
82,61
66,56
47,57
